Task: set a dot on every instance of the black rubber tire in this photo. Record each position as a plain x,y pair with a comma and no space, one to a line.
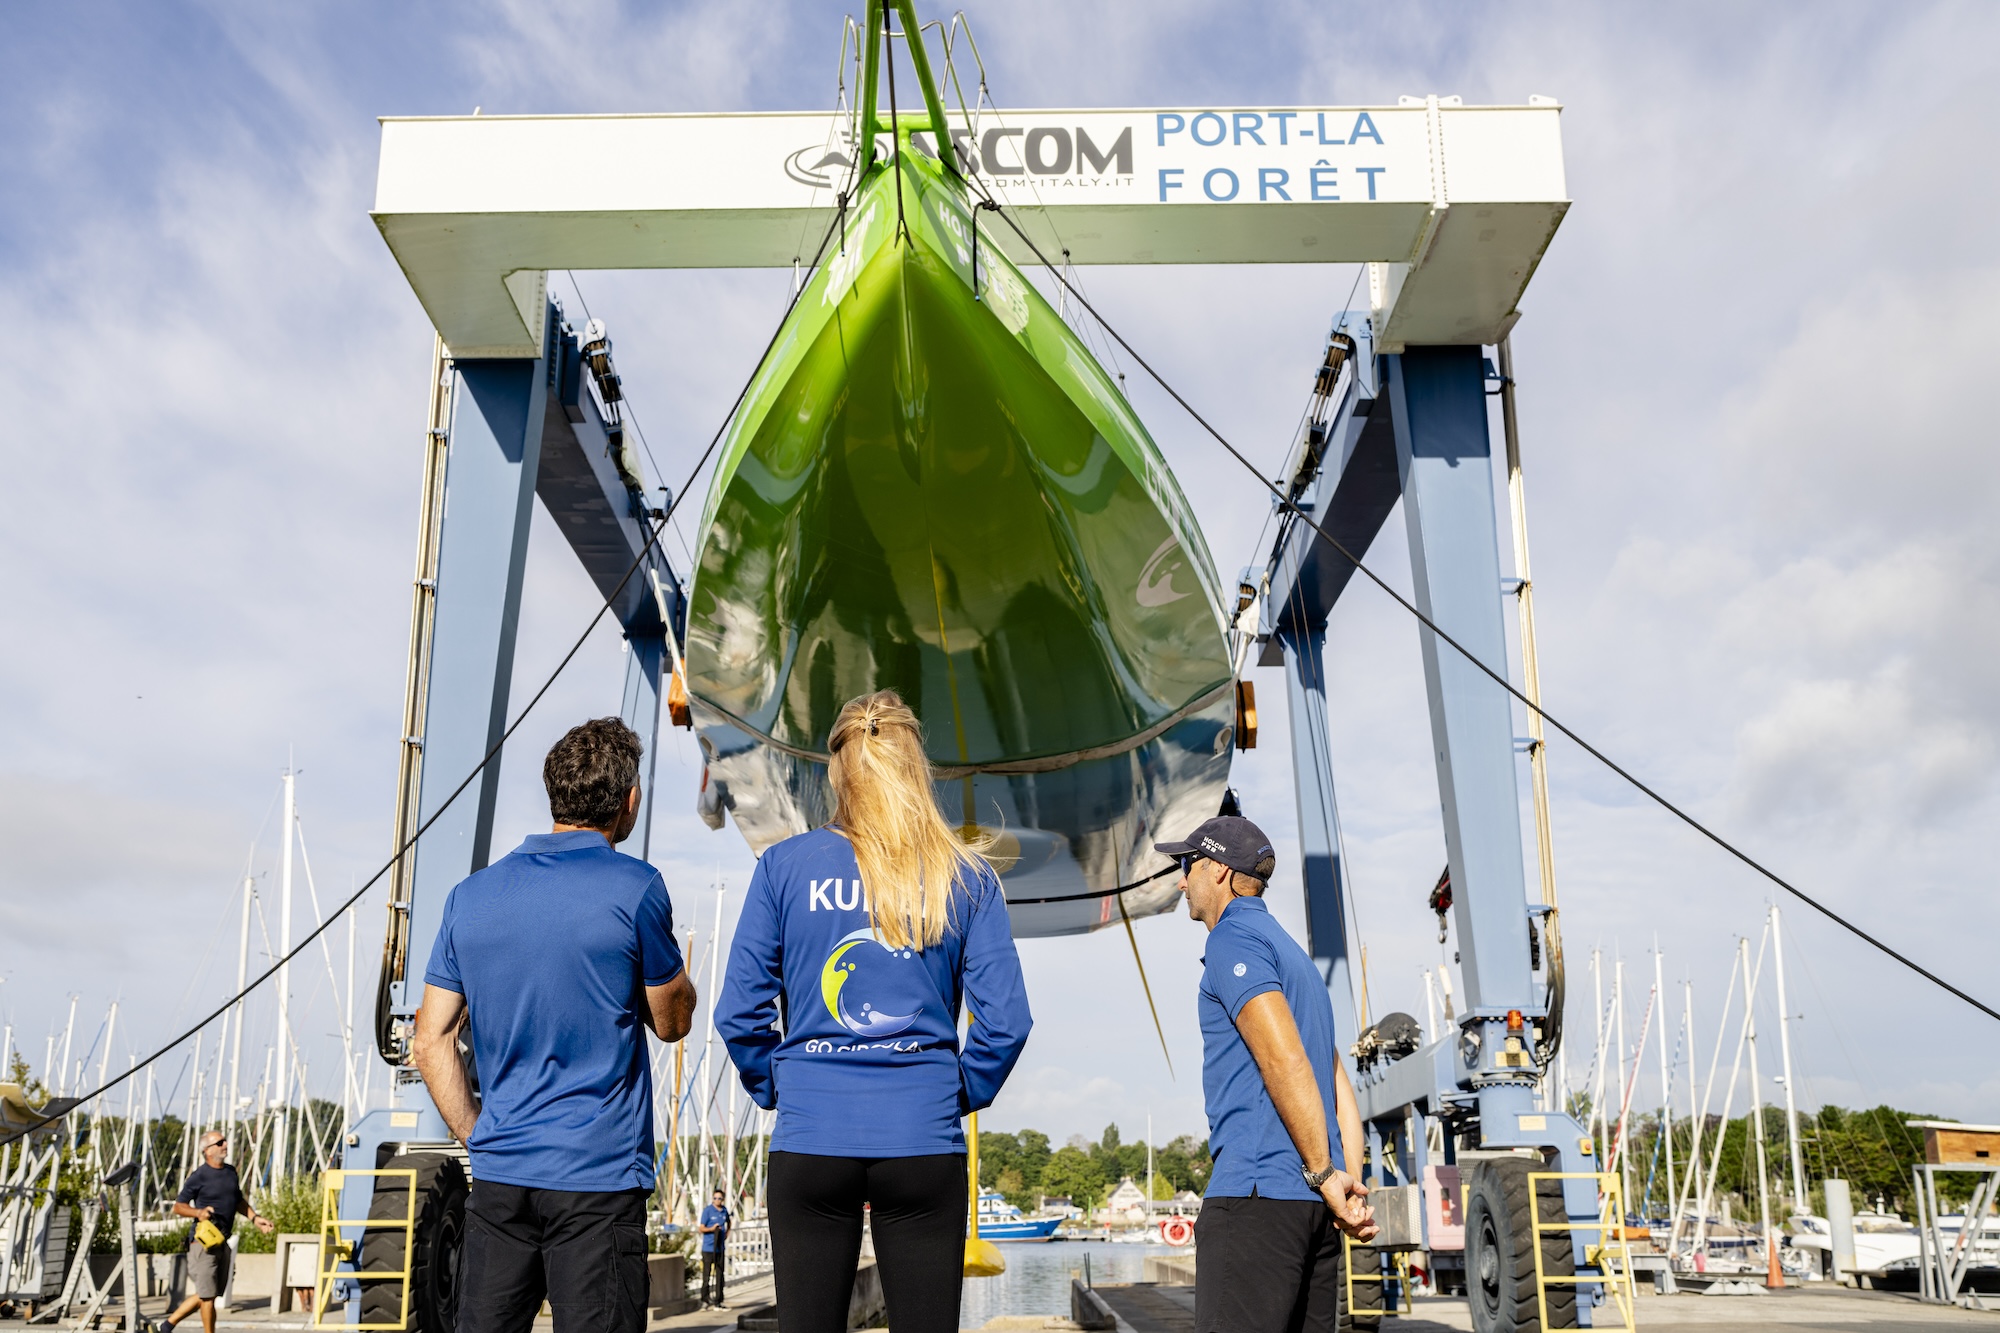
1499,1258
439,1234
1365,1315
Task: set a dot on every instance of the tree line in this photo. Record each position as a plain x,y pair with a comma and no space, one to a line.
1024,1166
1874,1150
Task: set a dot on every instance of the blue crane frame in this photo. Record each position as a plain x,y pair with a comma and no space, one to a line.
526,429
517,430
1421,435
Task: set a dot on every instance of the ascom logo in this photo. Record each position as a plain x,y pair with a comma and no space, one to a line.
862,965
1041,150
997,152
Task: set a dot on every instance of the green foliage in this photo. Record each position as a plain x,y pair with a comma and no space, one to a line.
1073,1172
680,1242
1023,1168
294,1206
167,1242
76,1186
1873,1150
32,1088
1013,1164
1185,1162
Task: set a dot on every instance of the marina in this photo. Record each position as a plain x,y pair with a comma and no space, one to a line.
1004,442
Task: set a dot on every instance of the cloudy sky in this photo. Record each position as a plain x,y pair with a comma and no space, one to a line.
1751,393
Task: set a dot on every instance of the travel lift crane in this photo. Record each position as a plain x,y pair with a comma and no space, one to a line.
479,209
1412,425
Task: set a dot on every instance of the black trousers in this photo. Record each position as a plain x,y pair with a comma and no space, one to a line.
916,1208
585,1254
711,1264
1266,1266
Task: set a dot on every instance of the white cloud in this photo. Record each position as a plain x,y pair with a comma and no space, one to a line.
1753,393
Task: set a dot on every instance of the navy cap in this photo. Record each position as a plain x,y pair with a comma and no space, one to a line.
1228,840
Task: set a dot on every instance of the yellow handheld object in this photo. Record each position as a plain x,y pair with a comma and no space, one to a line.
209,1234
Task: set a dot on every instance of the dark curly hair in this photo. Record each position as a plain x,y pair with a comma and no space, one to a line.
589,771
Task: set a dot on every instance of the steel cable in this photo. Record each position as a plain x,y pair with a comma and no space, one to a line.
1497,677
652,540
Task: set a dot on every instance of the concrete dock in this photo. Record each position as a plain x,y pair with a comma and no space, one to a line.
1151,1308
256,1315
1147,1308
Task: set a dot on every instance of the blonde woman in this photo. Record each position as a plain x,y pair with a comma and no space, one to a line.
859,945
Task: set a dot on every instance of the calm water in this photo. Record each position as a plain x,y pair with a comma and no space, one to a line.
1037,1277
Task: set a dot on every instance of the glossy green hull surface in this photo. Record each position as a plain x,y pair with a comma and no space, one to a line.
947,496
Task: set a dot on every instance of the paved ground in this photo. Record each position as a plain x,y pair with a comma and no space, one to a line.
1143,1308
1149,1309
256,1316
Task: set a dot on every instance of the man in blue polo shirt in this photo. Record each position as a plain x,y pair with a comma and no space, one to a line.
558,958
714,1228
1267,1244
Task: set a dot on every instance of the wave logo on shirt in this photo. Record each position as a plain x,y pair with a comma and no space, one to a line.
861,965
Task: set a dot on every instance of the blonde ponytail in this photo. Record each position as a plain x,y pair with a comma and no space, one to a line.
883,801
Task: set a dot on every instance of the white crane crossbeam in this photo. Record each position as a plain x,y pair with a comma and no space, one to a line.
1453,205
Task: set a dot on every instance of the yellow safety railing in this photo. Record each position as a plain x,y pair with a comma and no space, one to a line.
1610,1218
1402,1266
334,1249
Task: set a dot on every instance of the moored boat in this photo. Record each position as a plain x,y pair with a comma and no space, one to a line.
1002,1221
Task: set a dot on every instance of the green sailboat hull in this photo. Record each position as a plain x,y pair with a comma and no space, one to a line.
936,489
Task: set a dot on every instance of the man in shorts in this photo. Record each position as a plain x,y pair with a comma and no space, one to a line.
211,1194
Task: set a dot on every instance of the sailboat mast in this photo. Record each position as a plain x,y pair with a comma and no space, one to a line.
236,1031
1757,1110
1694,1110
97,1103
146,1138
350,1093
1149,1166
729,1181
1785,1055
283,1084
1666,1074
708,1052
1597,1019
69,1031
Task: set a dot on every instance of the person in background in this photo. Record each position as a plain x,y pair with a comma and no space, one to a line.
714,1247
559,957
1268,1241
859,945
212,1194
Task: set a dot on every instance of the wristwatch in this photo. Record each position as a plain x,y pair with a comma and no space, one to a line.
1318,1178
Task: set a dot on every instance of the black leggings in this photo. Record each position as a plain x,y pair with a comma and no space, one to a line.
917,1213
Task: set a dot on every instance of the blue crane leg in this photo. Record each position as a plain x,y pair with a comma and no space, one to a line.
644,672
1438,403
496,436
490,467
1319,821
1438,400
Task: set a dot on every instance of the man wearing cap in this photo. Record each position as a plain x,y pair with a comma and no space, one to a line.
1267,1243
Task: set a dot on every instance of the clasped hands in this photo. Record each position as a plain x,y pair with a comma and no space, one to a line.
1347,1196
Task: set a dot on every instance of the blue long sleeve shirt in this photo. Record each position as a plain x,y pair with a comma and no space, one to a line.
854,1043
